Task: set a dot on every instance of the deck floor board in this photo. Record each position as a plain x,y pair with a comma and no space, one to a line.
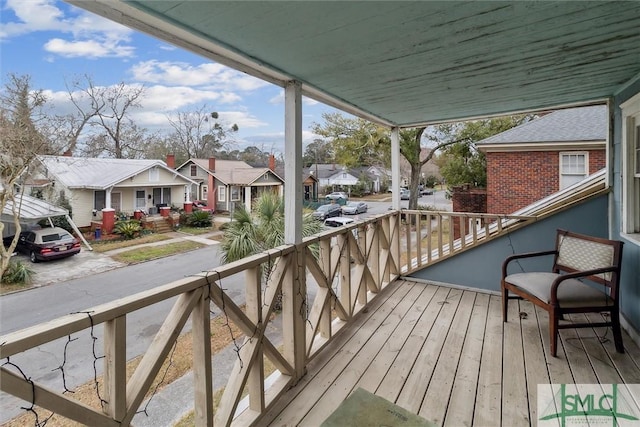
446,354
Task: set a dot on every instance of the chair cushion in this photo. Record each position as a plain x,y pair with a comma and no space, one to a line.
571,292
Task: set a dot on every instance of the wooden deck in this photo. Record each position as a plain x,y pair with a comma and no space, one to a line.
445,354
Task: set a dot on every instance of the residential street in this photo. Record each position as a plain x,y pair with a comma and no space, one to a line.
35,306
23,309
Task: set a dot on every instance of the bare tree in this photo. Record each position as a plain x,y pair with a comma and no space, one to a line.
199,133
115,133
21,140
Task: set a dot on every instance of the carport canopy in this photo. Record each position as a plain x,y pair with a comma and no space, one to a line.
31,210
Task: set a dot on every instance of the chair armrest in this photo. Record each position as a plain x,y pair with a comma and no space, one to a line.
556,283
510,258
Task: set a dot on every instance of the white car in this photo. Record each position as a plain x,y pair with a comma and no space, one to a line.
337,221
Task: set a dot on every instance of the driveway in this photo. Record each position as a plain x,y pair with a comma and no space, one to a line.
86,263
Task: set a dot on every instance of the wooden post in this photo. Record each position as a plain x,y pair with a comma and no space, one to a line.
395,168
345,272
255,380
115,367
294,286
202,372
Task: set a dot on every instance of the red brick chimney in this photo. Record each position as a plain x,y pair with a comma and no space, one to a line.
67,153
171,161
272,162
212,164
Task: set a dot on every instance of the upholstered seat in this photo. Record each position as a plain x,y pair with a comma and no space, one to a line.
584,278
572,293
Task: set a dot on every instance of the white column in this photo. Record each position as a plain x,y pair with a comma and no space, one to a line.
395,168
293,162
107,198
247,198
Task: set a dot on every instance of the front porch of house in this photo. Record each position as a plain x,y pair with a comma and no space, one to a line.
445,354
351,318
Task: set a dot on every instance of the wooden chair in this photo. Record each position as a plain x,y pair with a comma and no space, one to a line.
576,258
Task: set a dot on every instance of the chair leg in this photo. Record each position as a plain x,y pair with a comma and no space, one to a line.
553,333
617,332
505,302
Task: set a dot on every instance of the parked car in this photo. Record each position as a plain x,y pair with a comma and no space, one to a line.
405,194
354,208
337,221
326,211
47,243
201,205
337,195
426,191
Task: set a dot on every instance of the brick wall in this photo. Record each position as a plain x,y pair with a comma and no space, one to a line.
517,179
467,199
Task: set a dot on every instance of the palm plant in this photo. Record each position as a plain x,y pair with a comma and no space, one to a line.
253,232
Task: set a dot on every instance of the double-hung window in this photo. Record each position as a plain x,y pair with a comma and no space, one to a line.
631,167
574,167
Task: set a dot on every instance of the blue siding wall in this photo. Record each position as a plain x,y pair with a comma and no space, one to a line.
481,267
630,288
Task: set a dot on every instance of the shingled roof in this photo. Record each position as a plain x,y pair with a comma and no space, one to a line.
234,172
571,125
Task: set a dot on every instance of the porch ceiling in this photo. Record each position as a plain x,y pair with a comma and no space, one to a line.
406,63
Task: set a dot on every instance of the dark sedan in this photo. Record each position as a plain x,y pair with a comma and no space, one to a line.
327,211
47,243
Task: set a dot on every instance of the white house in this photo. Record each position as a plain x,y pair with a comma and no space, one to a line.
92,184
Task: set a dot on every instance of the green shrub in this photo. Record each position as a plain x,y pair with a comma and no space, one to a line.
18,273
223,226
128,229
199,219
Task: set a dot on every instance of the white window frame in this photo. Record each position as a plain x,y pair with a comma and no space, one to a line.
137,205
631,168
584,174
222,193
235,193
205,192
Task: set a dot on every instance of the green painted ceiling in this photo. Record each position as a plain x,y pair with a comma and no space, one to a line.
410,62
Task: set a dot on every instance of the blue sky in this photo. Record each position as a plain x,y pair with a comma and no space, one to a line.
54,42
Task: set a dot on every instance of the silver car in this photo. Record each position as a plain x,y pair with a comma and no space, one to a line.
354,208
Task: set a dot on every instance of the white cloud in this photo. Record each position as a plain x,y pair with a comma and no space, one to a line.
91,35
210,75
87,49
170,98
243,119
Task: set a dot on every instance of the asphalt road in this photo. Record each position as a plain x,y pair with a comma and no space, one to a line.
24,309
52,366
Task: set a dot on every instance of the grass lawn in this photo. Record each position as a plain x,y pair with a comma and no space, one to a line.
196,231
148,253
117,244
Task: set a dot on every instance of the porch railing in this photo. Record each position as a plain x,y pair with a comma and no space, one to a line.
343,269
